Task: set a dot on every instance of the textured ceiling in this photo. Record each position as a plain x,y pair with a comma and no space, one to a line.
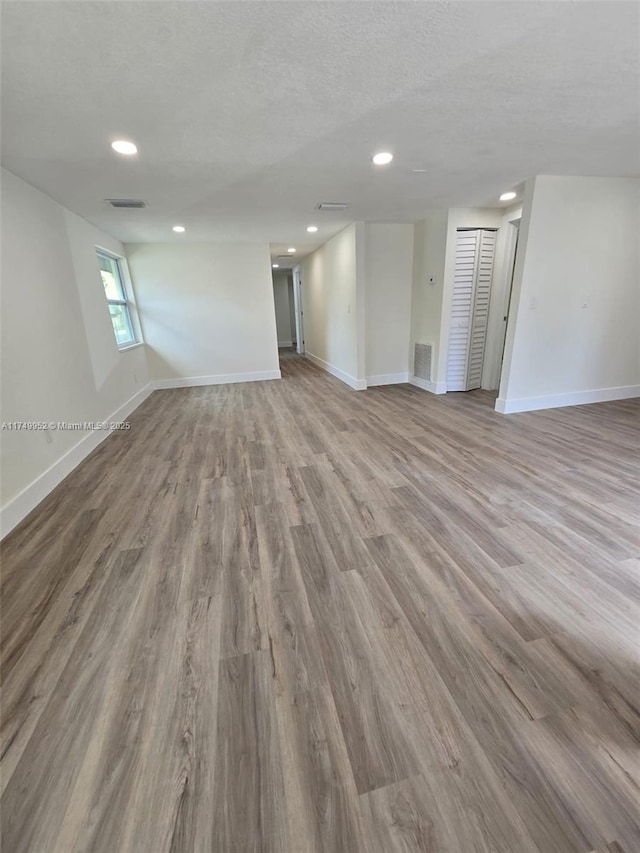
248,114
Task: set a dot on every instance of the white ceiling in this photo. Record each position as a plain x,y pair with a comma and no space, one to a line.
247,114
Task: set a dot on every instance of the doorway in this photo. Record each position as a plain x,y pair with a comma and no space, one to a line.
284,308
510,266
473,275
298,310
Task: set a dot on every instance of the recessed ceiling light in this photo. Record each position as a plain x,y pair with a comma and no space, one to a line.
383,158
291,249
179,229
312,229
275,266
122,146
507,196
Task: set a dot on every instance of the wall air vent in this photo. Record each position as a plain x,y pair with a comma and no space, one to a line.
128,203
422,361
332,205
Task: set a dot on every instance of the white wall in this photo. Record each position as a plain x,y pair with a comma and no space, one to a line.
207,311
333,305
574,327
430,244
388,268
283,301
60,361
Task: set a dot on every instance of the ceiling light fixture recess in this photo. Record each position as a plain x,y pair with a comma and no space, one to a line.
507,196
312,229
123,146
275,266
179,229
383,158
291,250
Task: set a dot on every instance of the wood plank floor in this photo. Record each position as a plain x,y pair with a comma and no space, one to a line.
287,617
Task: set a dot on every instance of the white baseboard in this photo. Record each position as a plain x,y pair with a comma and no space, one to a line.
21,505
387,379
573,398
426,385
283,344
221,379
356,384
28,499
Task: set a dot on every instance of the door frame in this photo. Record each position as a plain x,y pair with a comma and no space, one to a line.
297,301
479,230
512,229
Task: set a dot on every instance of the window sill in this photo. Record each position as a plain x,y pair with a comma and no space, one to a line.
128,347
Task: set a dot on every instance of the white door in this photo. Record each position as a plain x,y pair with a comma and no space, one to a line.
512,252
475,251
297,299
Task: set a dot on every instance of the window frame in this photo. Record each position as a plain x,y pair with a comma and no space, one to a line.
126,302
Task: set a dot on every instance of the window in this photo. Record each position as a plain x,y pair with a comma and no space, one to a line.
111,272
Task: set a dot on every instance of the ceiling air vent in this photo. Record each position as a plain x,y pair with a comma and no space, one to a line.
332,205
128,203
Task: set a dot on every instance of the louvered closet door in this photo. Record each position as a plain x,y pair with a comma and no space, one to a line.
470,308
461,309
480,317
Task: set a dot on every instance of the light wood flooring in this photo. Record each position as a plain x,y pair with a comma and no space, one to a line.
288,617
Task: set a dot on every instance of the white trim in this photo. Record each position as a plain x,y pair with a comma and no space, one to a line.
25,501
499,300
426,385
129,300
28,499
134,345
573,398
387,379
356,384
285,343
222,379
